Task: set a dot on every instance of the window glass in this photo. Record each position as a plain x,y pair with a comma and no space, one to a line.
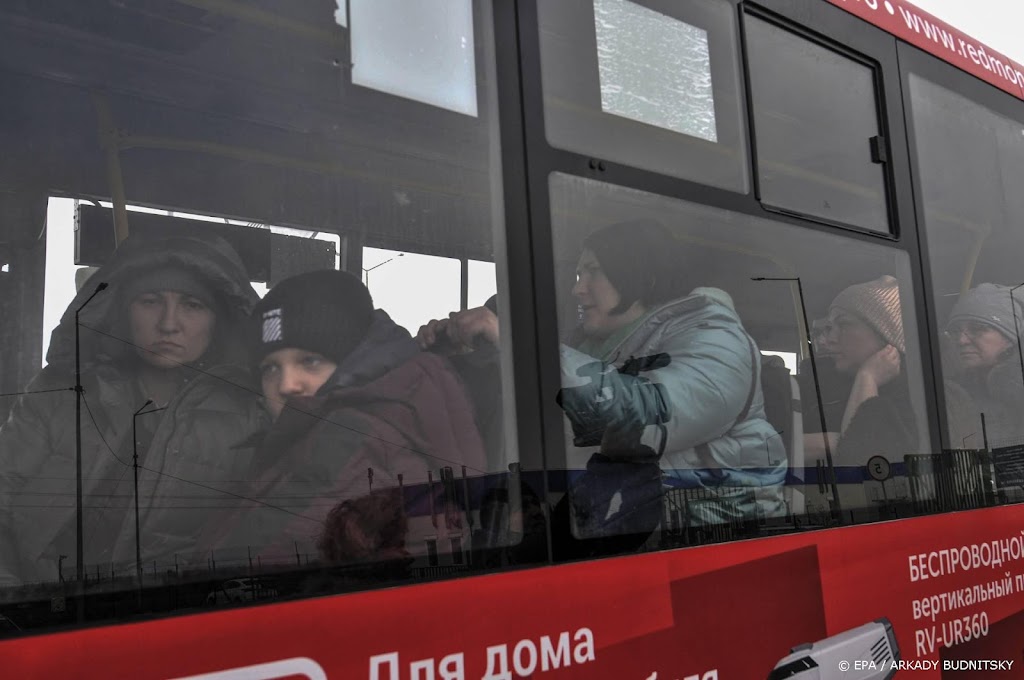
663,325
653,84
183,217
815,114
653,69
482,282
969,160
387,274
422,51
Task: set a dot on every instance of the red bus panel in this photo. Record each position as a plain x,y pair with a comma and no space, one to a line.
951,587
933,35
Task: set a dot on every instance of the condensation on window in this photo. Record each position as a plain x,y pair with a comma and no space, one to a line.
422,51
654,69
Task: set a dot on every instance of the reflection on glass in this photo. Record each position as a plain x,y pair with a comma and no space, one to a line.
271,139
654,69
970,161
717,455
421,50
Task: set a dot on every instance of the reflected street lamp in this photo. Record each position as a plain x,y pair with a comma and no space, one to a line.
79,543
837,507
1016,328
135,465
366,272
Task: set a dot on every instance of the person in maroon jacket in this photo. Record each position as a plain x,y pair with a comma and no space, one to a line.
361,416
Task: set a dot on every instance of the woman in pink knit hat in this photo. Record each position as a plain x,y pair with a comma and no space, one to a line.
866,332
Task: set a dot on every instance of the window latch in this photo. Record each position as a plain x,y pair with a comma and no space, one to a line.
879,153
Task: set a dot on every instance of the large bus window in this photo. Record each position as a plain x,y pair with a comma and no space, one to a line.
816,123
664,308
969,161
188,196
652,84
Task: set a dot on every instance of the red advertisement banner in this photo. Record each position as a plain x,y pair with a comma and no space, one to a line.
933,35
941,596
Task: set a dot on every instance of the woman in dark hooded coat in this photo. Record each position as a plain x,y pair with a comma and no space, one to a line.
162,340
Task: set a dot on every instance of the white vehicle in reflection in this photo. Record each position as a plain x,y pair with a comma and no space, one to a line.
863,653
239,590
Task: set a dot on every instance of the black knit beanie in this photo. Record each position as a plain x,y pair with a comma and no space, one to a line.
327,312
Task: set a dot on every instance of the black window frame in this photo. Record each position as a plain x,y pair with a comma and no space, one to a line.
851,53
542,159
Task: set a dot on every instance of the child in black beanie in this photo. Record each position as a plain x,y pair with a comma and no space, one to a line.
362,417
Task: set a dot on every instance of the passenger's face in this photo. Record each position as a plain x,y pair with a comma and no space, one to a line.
979,345
293,372
170,329
597,298
852,341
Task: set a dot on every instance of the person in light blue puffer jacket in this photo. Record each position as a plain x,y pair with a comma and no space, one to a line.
695,405
715,435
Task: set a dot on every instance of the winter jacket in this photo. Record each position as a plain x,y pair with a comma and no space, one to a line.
712,375
884,425
998,393
186,455
388,411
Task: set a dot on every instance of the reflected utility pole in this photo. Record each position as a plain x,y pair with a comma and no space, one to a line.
135,465
837,510
79,543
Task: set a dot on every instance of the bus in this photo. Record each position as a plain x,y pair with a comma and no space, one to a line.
810,466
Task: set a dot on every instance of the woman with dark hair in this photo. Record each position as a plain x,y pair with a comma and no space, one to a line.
656,373
162,340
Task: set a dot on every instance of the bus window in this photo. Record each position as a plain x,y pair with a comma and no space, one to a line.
482,283
815,119
197,162
663,308
969,158
650,84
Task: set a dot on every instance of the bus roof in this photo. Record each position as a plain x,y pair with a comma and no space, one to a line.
924,30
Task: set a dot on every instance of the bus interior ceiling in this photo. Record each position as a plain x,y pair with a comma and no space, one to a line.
243,114
219,109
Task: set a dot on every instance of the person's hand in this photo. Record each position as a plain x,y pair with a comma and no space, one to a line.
466,328
882,366
461,330
432,333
